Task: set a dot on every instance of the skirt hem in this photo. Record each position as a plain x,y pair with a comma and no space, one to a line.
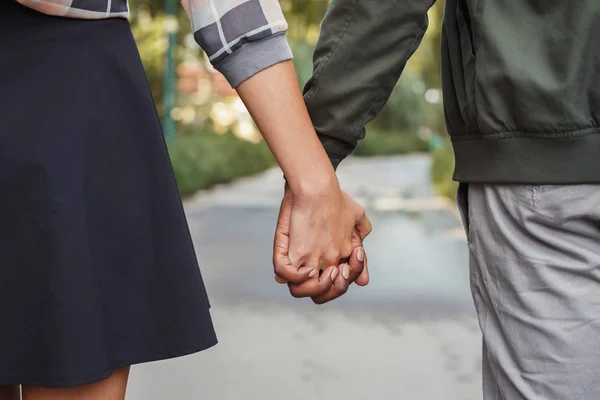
97,376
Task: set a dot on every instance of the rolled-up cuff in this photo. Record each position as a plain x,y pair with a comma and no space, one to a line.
336,149
335,161
254,57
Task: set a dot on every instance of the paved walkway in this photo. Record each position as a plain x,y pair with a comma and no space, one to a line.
411,334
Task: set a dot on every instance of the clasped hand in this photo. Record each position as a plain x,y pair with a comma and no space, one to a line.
318,248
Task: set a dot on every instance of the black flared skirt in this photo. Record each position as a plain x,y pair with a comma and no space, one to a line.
97,267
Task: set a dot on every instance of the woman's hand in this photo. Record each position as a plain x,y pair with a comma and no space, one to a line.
321,227
326,285
322,217
315,233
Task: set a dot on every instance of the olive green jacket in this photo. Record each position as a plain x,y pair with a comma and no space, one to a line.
521,82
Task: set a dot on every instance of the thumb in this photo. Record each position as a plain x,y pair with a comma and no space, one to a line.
284,270
281,244
363,225
362,222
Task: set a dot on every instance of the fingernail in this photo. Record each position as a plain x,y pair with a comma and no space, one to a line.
334,274
346,271
313,273
360,254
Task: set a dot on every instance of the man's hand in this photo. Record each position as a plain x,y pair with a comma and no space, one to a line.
322,222
356,270
321,285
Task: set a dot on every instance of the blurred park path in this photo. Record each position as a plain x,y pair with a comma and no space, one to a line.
411,334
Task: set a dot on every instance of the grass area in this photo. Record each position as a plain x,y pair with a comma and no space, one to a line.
379,143
203,160
442,170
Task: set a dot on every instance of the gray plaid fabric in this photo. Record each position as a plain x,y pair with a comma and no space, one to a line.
221,27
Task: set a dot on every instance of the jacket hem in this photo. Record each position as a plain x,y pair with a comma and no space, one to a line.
529,160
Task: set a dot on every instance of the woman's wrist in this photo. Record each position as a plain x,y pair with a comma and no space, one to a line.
320,183
275,102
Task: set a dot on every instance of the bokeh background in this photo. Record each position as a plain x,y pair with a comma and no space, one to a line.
411,334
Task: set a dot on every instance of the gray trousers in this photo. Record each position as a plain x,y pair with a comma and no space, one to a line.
535,279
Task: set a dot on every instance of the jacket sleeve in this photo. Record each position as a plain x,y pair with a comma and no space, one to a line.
240,37
362,50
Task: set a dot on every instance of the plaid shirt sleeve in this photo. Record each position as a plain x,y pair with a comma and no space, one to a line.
240,37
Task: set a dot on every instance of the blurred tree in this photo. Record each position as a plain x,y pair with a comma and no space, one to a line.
152,45
200,153
427,59
406,109
305,14
148,25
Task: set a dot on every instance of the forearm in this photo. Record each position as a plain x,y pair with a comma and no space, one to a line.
274,100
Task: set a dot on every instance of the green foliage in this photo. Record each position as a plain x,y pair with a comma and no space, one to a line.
152,45
378,142
404,111
304,14
303,55
202,160
442,170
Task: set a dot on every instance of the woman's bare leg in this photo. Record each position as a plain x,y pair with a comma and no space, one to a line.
10,392
112,388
